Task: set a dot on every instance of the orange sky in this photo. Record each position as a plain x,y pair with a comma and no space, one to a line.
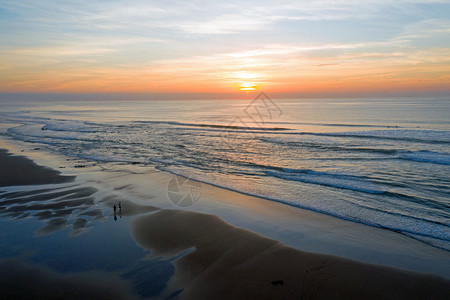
134,47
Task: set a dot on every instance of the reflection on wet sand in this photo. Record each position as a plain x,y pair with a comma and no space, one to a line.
79,226
149,278
19,280
128,208
55,206
47,195
62,205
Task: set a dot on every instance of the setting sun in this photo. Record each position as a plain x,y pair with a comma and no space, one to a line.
247,87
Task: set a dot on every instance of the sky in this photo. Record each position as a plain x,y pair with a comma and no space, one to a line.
292,48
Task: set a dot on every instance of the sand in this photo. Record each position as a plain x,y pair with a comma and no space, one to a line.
212,258
226,262
19,170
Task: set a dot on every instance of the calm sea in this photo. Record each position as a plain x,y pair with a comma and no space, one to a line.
381,162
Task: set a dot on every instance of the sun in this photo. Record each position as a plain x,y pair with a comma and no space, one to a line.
245,81
247,87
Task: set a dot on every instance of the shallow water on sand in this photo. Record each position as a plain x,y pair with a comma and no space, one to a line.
69,234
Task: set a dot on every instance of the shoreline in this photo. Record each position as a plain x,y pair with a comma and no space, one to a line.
225,211
313,211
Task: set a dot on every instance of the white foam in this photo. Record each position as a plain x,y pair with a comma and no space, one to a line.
400,134
76,126
328,179
428,157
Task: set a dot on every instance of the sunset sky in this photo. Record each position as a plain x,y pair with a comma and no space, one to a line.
287,47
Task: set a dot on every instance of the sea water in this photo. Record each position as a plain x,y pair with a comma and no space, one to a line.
380,162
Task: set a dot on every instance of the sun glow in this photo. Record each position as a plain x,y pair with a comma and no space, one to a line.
248,86
245,75
246,81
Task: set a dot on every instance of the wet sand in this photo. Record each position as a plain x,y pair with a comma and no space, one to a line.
19,280
226,262
212,258
19,170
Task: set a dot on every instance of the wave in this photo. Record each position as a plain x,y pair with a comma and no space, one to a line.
37,135
218,126
425,136
360,149
428,157
409,135
421,136
363,184
423,156
406,135
63,125
338,124
416,136
348,182
79,131
402,135
351,182
322,145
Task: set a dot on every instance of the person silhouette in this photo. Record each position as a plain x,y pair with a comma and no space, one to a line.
115,215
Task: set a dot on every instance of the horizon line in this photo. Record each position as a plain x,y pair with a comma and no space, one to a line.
130,96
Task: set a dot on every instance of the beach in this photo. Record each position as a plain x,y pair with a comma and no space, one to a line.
201,251
225,150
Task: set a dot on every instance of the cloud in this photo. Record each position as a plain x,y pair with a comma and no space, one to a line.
426,29
213,17
224,24
77,50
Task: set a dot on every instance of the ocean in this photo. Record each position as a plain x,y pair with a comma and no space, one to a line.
380,162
